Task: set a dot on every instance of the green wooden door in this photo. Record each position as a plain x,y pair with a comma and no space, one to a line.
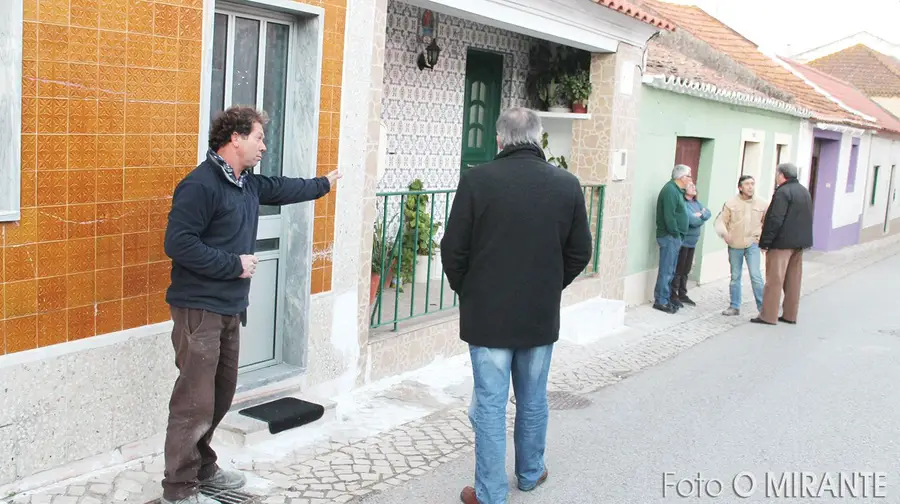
484,85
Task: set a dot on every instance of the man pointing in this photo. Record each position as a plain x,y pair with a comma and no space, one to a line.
211,238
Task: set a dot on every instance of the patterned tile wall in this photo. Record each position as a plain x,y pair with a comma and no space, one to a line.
110,119
329,135
423,110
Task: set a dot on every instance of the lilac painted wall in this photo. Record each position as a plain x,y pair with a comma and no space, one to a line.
826,180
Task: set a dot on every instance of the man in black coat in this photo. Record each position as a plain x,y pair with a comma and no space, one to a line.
517,235
787,231
211,239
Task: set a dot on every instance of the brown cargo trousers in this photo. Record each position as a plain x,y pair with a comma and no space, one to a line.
206,355
784,272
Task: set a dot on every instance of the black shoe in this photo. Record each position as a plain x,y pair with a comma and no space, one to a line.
786,321
664,308
758,320
677,304
686,300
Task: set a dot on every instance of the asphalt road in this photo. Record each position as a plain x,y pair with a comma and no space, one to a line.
818,397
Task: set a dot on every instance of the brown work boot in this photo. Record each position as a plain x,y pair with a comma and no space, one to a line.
540,482
468,496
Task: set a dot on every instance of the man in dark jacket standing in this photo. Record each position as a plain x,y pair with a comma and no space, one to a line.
787,230
211,238
671,227
517,235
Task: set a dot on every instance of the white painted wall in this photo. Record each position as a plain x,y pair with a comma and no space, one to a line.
804,151
849,205
884,152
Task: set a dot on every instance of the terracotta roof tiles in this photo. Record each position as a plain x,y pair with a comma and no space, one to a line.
671,62
850,96
874,73
722,38
631,10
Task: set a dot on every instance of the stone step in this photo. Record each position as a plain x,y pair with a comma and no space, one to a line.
240,430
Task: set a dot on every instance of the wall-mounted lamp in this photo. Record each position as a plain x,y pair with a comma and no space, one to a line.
429,57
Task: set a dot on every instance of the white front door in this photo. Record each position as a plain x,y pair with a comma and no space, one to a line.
250,67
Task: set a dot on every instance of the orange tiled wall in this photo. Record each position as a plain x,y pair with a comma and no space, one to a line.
110,108
329,129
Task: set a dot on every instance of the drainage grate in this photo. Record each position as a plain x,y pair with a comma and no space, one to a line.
225,496
559,400
231,496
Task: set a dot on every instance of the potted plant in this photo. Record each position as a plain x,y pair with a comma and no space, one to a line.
419,242
558,161
578,90
382,253
554,94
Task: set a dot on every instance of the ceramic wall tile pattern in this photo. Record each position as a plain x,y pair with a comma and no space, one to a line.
110,109
329,135
423,110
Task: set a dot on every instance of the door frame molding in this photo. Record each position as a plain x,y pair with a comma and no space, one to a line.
304,83
467,95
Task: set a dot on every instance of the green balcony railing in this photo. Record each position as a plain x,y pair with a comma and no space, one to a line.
407,276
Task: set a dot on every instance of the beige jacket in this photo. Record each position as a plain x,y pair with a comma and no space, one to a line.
741,221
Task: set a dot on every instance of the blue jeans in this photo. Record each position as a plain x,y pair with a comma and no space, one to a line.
736,259
492,368
669,247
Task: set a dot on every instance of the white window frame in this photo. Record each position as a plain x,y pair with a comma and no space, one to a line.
11,32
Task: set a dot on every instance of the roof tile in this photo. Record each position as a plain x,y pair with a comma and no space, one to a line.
850,96
722,38
634,11
874,73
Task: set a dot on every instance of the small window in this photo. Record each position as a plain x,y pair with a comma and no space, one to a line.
851,171
874,185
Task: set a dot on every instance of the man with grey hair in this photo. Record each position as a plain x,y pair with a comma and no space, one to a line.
517,235
671,227
787,231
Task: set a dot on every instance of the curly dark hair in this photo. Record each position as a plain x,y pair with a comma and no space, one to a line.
238,120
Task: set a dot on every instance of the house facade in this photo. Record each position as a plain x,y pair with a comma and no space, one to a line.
107,107
722,129
830,142
437,120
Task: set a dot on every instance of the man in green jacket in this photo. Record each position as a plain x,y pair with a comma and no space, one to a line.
671,226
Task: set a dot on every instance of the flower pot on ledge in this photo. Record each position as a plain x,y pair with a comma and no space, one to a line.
579,108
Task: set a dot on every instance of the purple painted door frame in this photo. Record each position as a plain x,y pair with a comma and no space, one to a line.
826,179
825,236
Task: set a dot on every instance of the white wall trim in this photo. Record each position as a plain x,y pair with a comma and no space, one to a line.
584,25
11,26
92,343
753,136
840,128
710,92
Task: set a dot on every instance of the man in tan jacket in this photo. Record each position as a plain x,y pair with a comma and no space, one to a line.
740,225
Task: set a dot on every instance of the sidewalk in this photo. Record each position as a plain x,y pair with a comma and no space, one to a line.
393,431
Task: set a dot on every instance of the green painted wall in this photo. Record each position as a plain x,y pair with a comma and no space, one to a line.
664,116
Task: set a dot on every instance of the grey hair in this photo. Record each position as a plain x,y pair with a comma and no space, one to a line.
789,170
680,171
519,126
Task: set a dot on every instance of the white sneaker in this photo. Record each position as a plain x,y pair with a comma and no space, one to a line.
225,480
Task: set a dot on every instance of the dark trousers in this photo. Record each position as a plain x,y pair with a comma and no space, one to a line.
206,355
682,270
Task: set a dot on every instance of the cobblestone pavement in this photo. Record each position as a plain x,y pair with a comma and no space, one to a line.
344,468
